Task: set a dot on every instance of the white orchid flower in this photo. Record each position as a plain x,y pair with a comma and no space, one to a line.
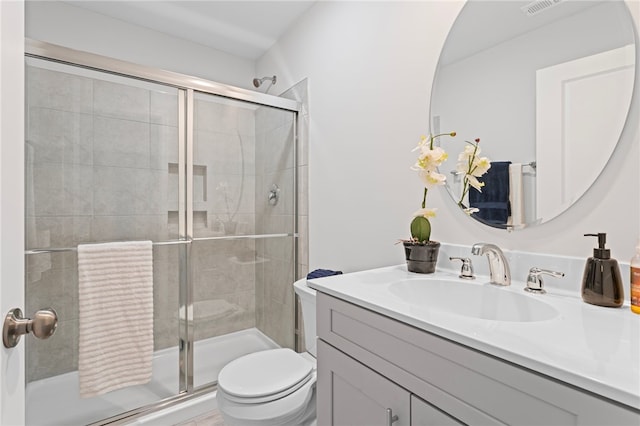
471,210
480,166
423,141
431,179
426,213
430,159
462,167
467,153
473,181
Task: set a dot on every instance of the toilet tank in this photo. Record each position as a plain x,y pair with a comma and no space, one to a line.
307,297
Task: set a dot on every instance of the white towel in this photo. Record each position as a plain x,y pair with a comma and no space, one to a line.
115,282
516,195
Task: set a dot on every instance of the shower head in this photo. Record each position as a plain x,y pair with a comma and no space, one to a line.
257,82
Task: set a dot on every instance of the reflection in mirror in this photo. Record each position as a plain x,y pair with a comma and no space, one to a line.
546,89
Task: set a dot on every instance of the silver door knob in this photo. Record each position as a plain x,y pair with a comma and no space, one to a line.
43,325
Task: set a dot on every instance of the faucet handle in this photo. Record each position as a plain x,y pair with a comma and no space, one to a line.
534,280
466,271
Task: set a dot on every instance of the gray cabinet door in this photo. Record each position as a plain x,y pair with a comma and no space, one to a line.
425,414
350,394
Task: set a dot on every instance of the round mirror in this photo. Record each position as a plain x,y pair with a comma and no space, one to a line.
546,86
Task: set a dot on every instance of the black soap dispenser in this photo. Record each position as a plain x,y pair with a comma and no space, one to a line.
601,282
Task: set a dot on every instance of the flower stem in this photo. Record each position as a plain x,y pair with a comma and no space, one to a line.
465,189
436,136
470,170
424,199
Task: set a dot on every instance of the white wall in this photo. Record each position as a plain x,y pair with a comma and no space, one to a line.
81,29
370,67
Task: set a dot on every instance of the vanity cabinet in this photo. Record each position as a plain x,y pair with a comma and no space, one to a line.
356,394
368,363
425,414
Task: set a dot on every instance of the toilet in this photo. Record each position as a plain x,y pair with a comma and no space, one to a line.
276,386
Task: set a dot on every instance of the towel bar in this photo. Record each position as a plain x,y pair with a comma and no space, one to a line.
244,237
532,164
66,249
171,242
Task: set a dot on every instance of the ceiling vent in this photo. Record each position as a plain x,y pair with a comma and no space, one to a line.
539,6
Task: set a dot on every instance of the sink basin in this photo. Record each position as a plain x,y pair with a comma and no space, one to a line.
482,301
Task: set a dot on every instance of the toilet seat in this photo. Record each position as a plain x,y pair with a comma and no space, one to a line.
264,376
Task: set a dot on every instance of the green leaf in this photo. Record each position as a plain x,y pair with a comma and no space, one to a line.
421,229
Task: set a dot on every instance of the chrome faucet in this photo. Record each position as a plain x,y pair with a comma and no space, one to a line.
534,280
466,271
499,272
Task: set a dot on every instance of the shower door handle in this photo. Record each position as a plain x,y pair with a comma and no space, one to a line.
43,325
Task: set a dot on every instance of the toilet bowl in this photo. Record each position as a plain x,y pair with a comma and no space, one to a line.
276,386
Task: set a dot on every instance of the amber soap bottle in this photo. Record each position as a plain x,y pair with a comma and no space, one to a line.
635,281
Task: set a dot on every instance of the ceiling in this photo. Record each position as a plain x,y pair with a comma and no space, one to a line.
242,28
248,28
483,24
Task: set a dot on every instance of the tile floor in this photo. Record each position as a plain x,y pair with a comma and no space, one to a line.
212,418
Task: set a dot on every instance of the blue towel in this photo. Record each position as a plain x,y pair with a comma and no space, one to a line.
493,201
319,273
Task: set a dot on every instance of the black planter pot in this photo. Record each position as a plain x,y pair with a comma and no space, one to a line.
422,257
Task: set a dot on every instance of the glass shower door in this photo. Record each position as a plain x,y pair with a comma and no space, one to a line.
101,165
243,229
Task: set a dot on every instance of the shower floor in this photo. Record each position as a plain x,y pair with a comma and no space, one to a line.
56,400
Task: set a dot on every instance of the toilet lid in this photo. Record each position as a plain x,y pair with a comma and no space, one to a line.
264,373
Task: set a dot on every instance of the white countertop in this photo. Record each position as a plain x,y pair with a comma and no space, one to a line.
591,347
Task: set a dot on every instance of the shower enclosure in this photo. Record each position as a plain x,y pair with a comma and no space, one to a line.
207,172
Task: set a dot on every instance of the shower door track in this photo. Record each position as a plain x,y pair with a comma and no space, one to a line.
52,52
186,86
